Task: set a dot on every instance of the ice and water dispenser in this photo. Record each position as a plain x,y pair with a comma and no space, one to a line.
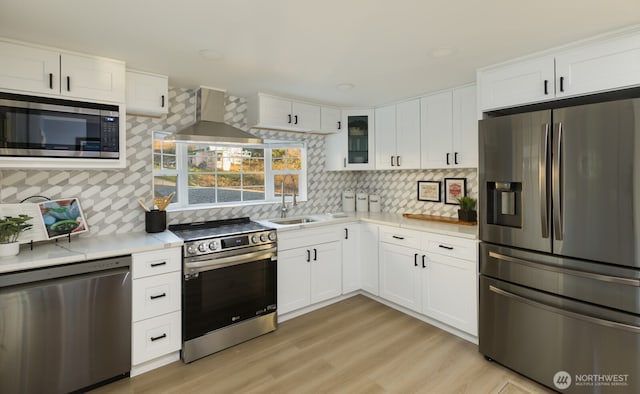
504,203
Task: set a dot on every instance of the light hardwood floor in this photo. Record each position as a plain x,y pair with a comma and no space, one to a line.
354,346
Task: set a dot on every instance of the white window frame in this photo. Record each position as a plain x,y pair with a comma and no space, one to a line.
182,171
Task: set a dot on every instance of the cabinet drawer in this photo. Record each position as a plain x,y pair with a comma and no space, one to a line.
156,262
301,238
451,246
400,236
155,295
156,337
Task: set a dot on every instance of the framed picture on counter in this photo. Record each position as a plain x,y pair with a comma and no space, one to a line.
454,188
62,217
429,191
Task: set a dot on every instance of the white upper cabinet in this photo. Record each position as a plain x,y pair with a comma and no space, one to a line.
593,67
92,78
385,137
147,94
519,83
398,136
272,112
29,69
330,120
352,148
598,67
449,129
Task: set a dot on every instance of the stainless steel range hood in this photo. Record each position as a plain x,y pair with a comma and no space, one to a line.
209,126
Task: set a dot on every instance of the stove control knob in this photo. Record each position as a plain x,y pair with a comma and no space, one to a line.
272,236
263,237
213,245
202,247
191,249
254,239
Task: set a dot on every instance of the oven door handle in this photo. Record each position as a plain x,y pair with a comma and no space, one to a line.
223,262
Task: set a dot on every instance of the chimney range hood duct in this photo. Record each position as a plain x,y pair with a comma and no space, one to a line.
209,126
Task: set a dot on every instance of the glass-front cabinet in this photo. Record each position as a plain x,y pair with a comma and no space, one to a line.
353,147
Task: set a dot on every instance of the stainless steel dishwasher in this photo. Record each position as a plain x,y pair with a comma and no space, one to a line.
65,328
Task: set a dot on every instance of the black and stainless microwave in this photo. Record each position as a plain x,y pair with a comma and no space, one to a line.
47,127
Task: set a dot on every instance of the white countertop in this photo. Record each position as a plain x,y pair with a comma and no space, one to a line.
387,219
86,248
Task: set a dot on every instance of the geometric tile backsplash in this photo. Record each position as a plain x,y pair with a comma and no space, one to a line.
108,197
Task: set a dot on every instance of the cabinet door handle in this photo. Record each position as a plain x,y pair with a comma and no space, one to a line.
296,118
546,87
68,83
153,265
155,297
398,161
346,233
397,237
446,247
345,163
424,265
289,118
153,339
308,255
50,80
339,125
315,254
447,158
415,260
562,84
455,158
163,101
392,161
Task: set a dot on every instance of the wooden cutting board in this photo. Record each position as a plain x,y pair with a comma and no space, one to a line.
441,219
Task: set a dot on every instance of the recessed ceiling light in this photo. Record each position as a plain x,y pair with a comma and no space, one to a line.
343,87
210,54
442,52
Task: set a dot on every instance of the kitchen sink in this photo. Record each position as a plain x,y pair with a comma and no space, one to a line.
293,221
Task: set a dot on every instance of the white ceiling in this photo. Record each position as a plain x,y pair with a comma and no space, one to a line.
304,48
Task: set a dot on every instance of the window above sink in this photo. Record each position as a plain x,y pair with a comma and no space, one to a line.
215,175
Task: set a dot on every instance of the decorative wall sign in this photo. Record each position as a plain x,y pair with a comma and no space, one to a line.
454,188
429,191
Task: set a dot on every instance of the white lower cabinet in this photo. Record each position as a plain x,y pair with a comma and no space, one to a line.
399,281
369,271
351,261
309,267
156,306
449,288
441,285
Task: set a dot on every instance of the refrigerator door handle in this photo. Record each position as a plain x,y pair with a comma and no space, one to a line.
568,271
557,182
542,182
587,318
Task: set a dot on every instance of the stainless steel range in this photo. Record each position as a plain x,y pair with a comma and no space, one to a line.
229,288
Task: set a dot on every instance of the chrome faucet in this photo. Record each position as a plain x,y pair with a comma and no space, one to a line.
283,207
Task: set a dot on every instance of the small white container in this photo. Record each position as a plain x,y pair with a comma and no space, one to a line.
348,201
362,202
374,203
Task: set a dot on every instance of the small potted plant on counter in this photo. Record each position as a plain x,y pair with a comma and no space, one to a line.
467,211
10,229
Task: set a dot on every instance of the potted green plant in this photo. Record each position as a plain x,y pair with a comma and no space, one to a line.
467,211
10,229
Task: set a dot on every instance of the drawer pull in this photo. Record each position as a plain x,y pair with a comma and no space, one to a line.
155,297
397,237
153,265
446,247
153,339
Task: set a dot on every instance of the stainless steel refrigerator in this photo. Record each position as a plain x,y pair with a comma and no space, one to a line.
560,257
